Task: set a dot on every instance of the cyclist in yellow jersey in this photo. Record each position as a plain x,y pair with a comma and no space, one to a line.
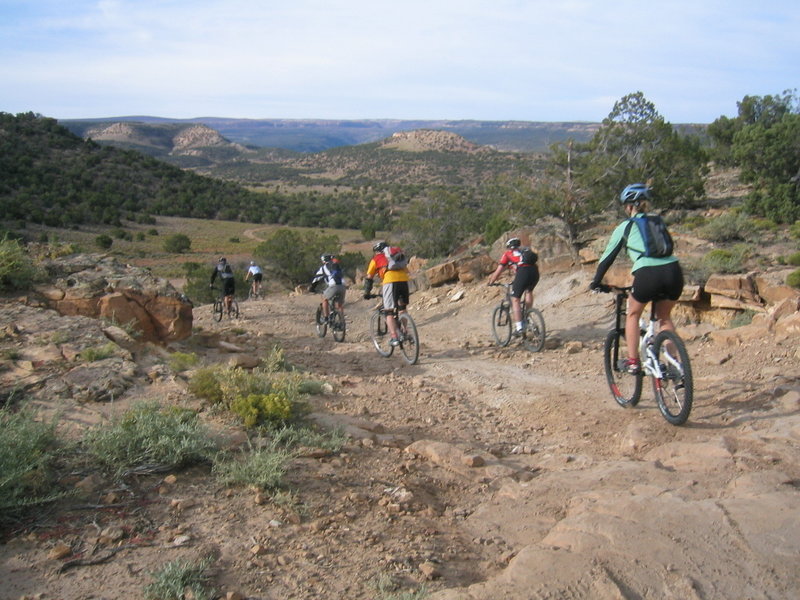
394,288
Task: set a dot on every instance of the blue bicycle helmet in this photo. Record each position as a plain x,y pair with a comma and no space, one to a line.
634,193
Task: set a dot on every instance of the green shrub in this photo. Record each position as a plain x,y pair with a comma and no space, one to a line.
726,261
294,254
148,436
388,589
121,234
96,353
694,222
181,361
496,226
175,578
262,409
793,279
205,385
793,259
27,457
152,232
16,268
292,436
103,241
743,318
727,227
177,243
263,468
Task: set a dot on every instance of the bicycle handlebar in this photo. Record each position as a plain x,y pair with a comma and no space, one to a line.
606,289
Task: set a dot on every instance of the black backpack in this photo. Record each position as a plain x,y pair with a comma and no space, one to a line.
656,237
527,256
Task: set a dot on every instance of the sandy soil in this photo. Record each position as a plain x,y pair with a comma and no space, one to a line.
525,479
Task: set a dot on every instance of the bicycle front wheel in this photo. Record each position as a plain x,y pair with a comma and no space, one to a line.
338,326
626,388
321,323
379,332
534,330
674,392
216,311
409,339
501,325
234,313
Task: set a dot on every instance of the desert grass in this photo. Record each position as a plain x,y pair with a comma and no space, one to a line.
175,578
210,239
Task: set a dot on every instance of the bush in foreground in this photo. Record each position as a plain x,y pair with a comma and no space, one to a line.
148,437
16,268
27,457
180,579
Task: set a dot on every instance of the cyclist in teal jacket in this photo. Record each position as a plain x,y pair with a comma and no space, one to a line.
658,280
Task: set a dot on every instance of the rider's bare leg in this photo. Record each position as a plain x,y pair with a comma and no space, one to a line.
635,309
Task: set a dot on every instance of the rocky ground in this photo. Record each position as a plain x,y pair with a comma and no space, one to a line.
479,473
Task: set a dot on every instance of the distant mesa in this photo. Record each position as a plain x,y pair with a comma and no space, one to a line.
422,140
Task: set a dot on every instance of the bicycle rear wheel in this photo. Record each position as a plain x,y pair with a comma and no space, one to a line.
409,344
338,326
626,388
675,391
501,325
321,323
379,332
216,310
534,330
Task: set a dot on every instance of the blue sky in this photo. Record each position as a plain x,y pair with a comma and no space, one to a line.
555,60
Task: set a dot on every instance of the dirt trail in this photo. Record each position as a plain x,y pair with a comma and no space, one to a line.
524,480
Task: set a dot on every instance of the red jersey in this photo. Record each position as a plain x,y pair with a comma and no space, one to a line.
512,258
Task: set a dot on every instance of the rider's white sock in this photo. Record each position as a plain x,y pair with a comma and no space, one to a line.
518,325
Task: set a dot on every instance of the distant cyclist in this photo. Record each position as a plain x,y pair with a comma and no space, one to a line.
330,273
394,286
257,274
225,273
526,276
654,279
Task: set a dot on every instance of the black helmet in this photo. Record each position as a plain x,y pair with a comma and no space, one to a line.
513,243
634,193
223,260
379,246
326,258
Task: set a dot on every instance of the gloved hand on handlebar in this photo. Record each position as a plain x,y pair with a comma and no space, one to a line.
367,288
597,286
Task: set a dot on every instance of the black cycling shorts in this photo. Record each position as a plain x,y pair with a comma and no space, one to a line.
258,276
662,282
228,286
526,279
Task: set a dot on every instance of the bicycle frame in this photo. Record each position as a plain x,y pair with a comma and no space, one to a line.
506,301
647,334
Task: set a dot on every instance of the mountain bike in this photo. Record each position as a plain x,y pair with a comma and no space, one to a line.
255,292
381,339
335,320
533,331
219,307
663,358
